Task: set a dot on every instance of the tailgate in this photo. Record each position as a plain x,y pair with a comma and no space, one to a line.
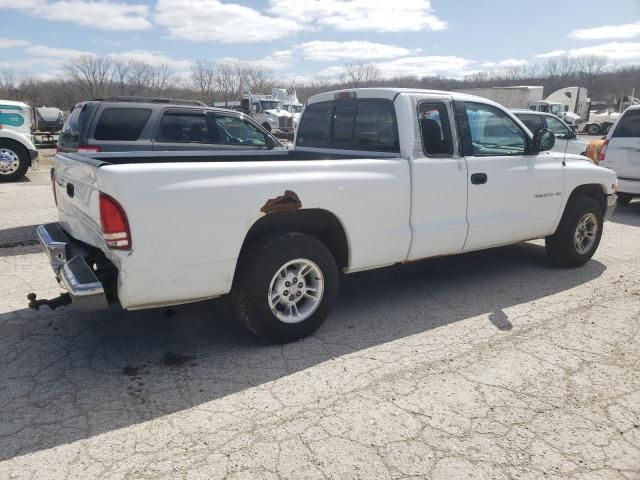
77,193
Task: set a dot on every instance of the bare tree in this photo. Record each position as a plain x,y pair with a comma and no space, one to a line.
203,75
362,74
92,74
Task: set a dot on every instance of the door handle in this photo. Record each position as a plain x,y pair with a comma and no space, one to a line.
478,178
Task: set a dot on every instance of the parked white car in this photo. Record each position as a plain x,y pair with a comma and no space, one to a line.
621,153
17,145
378,176
567,140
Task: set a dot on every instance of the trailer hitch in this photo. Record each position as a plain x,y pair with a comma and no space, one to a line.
60,301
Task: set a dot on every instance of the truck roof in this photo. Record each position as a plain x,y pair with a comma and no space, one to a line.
392,93
13,103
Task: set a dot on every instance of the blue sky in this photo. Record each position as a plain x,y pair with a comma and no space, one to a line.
299,39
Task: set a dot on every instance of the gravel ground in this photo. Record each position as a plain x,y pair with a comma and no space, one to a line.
491,365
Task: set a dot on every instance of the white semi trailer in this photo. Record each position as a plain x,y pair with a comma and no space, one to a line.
571,104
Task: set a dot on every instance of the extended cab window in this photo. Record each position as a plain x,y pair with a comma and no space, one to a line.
629,125
364,124
533,122
435,129
493,132
124,124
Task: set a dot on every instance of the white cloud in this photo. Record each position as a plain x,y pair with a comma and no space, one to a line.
510,62
49,53
614,51
97,14
628,30
362,15
152,58
10,43
212,20
324,51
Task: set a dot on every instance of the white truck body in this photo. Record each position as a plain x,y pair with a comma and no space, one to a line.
510,97
290,102
190,213
622,151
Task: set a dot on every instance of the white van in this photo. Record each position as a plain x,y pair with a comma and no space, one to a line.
621,153
17,146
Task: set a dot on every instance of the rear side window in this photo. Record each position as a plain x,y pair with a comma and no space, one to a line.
366,124
533,122
435,128
182,127
72,131
629,125
124,124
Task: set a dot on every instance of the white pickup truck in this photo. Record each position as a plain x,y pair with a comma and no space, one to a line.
377,177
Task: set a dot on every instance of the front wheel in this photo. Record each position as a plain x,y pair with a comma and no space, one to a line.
14,161
285,286
578,235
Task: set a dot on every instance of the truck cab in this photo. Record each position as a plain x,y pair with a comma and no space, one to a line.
269,112
17,144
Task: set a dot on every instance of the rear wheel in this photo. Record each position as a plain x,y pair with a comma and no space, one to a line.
624,199
286,286
578,235
593,129
14,161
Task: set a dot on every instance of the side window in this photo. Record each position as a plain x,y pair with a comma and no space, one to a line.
375,127
124,124
556,126
315,125
493,132
435,128
183,127
236,131
629,125
533,122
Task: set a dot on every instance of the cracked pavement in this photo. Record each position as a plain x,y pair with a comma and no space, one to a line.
490,365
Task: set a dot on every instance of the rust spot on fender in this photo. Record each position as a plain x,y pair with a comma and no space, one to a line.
282,203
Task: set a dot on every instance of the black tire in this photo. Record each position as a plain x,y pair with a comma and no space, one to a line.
593,129
23,160
256,269
624,199
561,246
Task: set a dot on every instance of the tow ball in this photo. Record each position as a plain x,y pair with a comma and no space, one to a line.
60,301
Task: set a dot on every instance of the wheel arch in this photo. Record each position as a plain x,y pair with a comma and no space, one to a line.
596,191
320,223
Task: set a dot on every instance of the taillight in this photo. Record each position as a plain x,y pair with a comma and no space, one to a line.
115,226
603,151
88,149
53,186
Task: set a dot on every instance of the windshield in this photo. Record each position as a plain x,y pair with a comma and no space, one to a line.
556,109
296,108
269,104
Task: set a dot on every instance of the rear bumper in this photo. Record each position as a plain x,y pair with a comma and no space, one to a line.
68,261
629,185
611,206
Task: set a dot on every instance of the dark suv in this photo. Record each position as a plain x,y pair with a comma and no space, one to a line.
139,123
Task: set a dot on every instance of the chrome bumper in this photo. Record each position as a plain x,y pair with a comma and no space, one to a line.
611,206
71,269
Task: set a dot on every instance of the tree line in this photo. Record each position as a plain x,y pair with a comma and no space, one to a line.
89,77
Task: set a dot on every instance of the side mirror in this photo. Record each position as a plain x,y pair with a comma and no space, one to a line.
543,139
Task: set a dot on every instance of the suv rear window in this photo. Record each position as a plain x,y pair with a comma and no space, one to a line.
365,124
629,125
124,124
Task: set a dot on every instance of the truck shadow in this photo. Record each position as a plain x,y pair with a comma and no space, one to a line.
69,375
627,214
19,241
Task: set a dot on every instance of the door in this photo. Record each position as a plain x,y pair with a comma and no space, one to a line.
439,183
623,151
513,195
563,134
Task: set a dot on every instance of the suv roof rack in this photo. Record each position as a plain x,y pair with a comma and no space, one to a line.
174,101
